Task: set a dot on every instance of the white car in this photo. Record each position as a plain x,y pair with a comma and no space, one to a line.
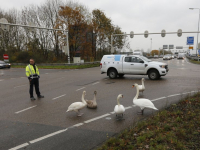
119,65
166,57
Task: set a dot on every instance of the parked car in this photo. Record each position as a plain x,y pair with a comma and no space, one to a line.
172,56
155,56
4,64
119,65
166,57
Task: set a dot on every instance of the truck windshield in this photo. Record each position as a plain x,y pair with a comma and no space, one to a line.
145,59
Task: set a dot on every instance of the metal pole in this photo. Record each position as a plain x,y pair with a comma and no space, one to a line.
68,53
112,45
198,36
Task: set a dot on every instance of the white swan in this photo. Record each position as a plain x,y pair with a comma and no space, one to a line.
142,87
142,103
76,106
92,103
119,109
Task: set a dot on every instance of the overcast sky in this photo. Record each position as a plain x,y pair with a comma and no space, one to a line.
141,15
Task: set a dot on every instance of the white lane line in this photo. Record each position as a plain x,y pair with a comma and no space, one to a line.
20,86
25,109
59,97
158,99
112,112
78,125
80,89
186,93
20,146
128,107
173,95
96,118
95,83
47,136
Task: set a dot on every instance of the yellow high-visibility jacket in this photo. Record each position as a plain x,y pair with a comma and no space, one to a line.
30,71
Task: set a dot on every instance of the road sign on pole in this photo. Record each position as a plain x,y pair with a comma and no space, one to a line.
171,46
190,40
165,46
179,47
6,57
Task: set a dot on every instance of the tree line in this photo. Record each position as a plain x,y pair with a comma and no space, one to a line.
89,32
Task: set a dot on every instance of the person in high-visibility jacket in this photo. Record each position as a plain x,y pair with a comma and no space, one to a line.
33,75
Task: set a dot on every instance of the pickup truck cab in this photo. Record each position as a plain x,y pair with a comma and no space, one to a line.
119,65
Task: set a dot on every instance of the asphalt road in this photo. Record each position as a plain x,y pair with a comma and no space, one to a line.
43,124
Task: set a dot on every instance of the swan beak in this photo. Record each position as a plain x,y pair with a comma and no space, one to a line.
133,86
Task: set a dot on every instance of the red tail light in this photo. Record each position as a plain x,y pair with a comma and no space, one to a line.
100,65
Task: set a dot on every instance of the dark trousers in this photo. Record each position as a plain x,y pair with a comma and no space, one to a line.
35,82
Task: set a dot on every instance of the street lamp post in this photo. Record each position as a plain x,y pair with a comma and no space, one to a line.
151,46
198,28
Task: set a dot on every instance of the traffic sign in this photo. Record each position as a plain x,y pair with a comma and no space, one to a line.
179,47
171,46
190,40
199,51
190,47
6,57
165,46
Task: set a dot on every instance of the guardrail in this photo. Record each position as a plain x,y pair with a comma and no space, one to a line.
192,57
57,64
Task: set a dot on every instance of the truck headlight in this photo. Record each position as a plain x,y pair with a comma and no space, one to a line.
162,66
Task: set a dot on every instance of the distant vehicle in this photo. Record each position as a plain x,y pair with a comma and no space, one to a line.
176,54
172,56
166,57
180,56
119,65
4,64
156,56
137,53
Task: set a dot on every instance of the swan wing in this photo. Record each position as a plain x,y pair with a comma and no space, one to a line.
76,106
142,103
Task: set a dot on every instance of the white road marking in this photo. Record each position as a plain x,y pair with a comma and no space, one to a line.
96,118
128,107
95,83
58,96
22,77
80,89
46,73
186,93
1,80
112,112
25,109
173,95
20,146
158,99
47,136
77,125
20,86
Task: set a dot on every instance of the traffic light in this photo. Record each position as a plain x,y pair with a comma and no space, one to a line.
179,32
131,34
163,33
146,33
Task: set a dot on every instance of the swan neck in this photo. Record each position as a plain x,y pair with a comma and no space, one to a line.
142,83
137,94
118,101
95,97
83,99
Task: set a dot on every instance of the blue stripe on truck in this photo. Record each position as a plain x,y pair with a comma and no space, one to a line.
117,57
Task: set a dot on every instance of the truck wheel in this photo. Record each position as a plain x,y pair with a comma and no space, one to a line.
153,74
112,74
121,75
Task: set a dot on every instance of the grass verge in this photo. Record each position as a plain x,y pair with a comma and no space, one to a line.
176,127
194,61
60,67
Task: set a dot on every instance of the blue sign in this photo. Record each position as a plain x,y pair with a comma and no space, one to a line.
199,51
190,40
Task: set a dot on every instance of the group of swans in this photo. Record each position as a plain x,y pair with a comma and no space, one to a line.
77,106
118,109
140,102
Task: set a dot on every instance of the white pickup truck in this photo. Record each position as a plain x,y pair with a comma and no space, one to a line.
119,65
